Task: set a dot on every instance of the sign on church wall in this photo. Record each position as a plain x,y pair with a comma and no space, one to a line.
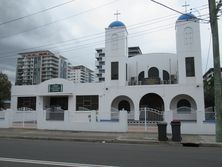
55,88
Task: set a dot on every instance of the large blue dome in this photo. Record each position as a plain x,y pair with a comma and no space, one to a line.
186,17
116,24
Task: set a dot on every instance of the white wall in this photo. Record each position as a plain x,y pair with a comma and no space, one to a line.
191,49
163,61
5,118
80,121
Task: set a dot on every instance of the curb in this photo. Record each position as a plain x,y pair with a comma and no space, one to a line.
122,141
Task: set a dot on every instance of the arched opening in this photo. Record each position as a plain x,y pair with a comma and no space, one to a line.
166,76
122,102
141,76
153,77
184,108
183,105
152,107
153,72
152,100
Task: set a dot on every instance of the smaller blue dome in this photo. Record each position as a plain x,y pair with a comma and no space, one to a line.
116,24
186,17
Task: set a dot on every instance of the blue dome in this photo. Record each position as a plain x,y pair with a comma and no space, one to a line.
186,17
116,24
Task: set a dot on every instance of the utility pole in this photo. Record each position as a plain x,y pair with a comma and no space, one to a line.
213,10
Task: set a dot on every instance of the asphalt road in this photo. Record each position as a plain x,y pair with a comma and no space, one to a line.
64,153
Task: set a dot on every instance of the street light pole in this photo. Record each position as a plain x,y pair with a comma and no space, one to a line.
213,10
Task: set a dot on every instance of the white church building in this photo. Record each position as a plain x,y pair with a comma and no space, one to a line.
150,87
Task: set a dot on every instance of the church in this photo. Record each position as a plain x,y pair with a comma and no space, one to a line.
147,87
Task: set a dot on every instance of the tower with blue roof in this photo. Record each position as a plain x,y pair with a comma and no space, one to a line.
188,47
116,51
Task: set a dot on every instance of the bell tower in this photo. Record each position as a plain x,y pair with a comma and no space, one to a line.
116,51
188,46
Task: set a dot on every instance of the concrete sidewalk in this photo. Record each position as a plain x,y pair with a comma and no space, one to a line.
128,137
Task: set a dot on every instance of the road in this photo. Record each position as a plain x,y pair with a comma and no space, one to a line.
19,153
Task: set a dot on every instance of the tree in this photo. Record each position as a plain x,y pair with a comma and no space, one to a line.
5,89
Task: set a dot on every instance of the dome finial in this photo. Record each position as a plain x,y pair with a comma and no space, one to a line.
185,6
117,14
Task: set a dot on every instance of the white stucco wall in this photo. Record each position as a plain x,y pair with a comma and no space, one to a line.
162,61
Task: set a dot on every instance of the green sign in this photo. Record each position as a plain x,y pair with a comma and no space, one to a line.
55,88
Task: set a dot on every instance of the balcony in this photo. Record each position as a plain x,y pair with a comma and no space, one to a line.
150,81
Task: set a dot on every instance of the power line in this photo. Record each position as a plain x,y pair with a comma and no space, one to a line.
174,9
130,27
133,35
56,21
98,35
32,14
134,26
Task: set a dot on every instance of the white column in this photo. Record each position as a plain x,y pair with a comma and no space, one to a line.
168,117
137,110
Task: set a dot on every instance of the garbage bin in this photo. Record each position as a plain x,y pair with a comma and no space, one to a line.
176,134
162,134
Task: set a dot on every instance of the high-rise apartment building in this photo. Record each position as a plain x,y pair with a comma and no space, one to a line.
100,61
38,66
80,74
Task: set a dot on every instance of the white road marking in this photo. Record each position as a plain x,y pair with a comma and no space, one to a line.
53,163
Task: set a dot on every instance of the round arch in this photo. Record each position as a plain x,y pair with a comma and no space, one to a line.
183,101
153,72
166,75
141,76
124,105
123,102
154,105
152,100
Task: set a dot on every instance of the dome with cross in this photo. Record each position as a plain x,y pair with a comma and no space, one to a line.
116,24
187,17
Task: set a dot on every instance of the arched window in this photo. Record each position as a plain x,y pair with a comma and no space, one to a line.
183,105
166,75
153,72
124,104
141,76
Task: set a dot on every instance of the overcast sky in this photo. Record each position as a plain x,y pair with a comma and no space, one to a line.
75,29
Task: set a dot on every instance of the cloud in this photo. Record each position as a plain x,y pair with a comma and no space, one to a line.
154,36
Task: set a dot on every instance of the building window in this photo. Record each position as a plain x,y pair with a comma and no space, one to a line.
84,103
190,69
183,106
114,70
26,103
166,76
141,76
153,72
60,101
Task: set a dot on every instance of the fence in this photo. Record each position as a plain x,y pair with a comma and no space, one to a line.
210,114
55,113
24,119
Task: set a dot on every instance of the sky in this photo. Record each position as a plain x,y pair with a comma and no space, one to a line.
75,28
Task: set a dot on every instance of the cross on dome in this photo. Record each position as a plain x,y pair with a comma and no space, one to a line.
185,6
117,14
